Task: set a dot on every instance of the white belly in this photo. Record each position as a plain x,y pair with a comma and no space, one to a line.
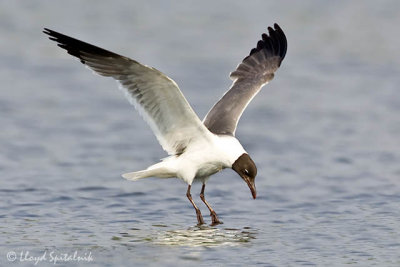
208,169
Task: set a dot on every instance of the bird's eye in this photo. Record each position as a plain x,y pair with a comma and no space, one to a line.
246,172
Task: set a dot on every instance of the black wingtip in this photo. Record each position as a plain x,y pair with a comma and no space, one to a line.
274,42
76,47
283,39
47,31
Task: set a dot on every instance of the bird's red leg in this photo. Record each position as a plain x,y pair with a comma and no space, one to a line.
213,215
199,216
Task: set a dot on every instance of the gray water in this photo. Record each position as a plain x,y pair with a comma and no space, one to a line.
324,135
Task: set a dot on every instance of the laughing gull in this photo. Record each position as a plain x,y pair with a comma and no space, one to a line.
197,149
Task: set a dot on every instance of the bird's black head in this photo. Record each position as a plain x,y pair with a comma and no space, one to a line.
246,168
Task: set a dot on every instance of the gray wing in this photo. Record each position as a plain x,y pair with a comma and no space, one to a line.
254,72
155,95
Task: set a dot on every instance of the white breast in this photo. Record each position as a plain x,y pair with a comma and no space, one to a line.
201,160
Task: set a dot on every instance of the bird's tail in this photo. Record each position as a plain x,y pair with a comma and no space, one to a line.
153,171
133,176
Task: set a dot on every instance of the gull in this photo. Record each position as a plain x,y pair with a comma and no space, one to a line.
197,149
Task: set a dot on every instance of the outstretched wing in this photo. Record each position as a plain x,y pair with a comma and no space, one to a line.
254,72
155,95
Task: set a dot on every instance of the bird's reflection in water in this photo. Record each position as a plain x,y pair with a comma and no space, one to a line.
196,236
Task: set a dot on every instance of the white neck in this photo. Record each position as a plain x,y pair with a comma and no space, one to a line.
231,147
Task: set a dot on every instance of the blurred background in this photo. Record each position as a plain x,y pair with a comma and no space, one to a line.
324,134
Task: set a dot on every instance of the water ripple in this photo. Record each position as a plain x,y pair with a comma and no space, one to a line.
196,236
